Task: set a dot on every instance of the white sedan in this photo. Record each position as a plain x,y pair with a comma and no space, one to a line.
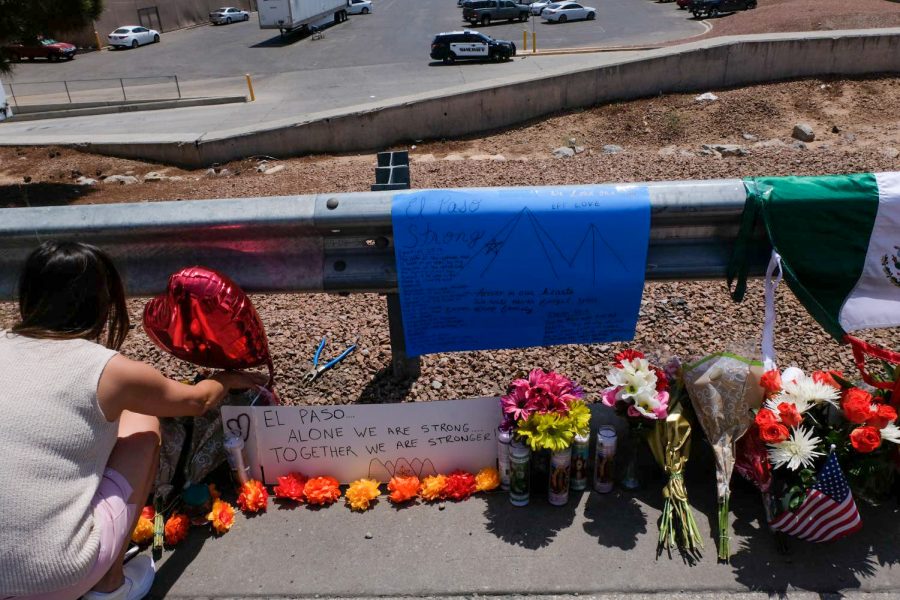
132,36
561,12
538,7
359,7
228,15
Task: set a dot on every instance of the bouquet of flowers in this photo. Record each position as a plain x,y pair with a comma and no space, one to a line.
807,418
545,410
638,390
723,388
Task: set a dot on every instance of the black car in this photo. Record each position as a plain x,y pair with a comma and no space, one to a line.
713,8
470,44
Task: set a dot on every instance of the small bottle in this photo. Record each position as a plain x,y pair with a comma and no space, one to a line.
580,452
604,459
236,454
560,468
519,473
503,441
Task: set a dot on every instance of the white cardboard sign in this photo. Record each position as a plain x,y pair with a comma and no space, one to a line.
369,440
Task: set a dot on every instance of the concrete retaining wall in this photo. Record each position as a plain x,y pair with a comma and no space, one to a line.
699,66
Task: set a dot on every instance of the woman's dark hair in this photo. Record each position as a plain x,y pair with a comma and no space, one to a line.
69,290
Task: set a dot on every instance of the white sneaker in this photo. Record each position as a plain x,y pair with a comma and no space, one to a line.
139,574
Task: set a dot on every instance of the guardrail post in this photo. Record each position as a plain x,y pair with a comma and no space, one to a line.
177,87
12,95
68,95
122,83
392,173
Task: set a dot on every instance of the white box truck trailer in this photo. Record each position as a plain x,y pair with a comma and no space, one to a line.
291,15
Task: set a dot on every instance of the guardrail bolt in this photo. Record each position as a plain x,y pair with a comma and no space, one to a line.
332,203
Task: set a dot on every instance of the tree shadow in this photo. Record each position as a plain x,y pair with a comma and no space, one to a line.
42,194
533,526
814,567
620,532
384,388
178,561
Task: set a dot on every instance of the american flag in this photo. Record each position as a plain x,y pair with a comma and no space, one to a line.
828,513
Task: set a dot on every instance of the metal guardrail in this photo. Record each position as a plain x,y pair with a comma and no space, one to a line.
88,89
333,242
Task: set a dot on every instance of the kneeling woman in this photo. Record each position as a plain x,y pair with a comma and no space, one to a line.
79,434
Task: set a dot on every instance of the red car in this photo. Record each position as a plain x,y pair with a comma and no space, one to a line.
684,3
41,48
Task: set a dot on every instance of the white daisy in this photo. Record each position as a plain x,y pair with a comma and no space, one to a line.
804,393
797,451
891,433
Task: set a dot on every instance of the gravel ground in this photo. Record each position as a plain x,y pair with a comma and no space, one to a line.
856,131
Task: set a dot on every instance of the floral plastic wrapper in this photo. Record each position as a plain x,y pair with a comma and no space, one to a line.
724,390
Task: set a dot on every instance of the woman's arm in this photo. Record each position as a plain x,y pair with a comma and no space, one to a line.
136,386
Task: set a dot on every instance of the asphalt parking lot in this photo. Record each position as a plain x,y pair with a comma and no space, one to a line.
397,34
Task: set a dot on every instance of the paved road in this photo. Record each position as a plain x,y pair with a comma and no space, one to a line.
398,34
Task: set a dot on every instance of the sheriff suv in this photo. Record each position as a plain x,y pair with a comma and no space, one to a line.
470,44
485,11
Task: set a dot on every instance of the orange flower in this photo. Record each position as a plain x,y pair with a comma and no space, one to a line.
433,487
291,486
361,492
143,531
177,528
487,479
148,513
403,488
771,382
221,516
322,490
827,377
253,496
789,414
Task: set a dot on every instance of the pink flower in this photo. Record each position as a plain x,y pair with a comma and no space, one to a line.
609,396
516,404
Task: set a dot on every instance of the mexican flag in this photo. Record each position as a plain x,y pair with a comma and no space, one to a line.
839,241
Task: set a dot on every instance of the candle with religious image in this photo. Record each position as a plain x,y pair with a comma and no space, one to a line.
604,459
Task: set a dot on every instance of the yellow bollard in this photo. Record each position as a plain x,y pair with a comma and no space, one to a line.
524,41
533,42
250,87
97,38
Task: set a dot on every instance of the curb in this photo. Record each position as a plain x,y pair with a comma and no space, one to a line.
123,108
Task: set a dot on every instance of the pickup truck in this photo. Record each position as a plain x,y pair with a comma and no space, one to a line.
485,11
40,48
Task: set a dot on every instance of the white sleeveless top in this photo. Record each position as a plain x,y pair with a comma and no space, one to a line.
54,446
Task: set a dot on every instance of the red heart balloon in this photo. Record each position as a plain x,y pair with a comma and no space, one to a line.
205,318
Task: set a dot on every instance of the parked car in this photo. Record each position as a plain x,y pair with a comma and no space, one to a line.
713,8
470,44
359,7
41,48
485,11
538,7
567,11
228,15
132,36
684,4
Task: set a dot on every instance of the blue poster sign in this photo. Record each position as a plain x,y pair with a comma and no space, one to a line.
488,269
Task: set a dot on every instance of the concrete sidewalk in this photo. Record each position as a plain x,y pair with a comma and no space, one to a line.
597,544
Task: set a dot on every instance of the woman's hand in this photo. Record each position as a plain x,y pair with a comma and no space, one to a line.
240,380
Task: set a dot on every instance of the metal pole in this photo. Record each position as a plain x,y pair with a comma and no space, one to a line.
122,83
403,366
250,87
177,87
67,92
13,95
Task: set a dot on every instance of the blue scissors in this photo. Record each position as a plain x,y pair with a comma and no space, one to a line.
317,369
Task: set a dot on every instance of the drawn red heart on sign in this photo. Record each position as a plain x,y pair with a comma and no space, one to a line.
207,319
